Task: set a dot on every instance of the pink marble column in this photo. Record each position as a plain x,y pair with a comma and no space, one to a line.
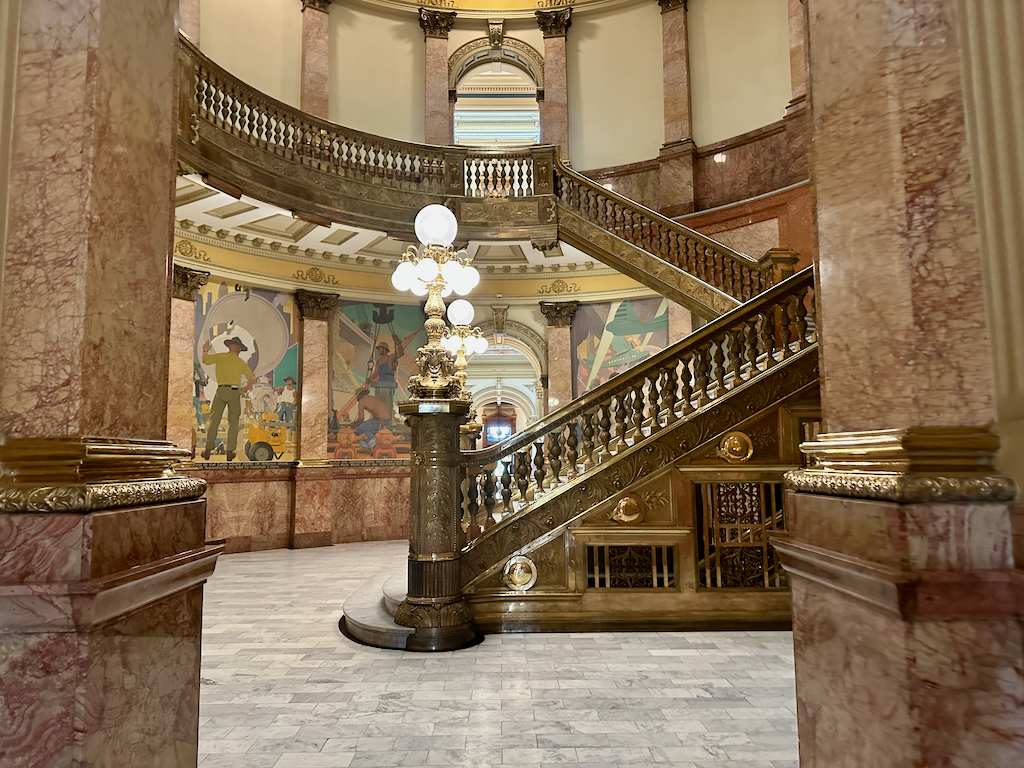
181,357
313,521
680,322
677,155
314,96
559,319
907,609
102,551
189,12
554,109
437,118
797,54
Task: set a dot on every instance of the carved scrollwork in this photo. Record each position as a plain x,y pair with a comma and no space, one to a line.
430,615
187,281
908,489
315,275
559,286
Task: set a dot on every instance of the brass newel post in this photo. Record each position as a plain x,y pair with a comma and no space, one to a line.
780,263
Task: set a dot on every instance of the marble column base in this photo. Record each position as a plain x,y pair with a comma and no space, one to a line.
313,522
100,625
907,622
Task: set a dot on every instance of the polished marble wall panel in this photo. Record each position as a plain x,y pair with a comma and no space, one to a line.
437,126
250,515
313,413
314,95
371,507
637,181
86,257
180,377
554,110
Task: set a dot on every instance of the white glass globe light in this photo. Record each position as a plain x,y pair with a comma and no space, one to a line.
481,345
427,269
446,291
403,276
468,280
436,225
450,271
461,312
419,288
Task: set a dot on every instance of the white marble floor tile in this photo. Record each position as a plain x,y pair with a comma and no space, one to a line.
281,687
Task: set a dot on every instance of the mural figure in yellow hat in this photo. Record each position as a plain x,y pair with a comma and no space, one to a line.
229,369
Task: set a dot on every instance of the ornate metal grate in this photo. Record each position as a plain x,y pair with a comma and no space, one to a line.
632,566
734,521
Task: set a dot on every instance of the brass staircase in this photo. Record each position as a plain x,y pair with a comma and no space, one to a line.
648,501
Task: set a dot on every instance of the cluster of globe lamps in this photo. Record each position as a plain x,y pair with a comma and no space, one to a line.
439,265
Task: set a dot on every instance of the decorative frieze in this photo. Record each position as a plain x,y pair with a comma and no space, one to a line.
313,305
436,23
554,23
559,314
187,281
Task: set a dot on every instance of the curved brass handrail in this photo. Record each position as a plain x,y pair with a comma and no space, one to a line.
713,332
717,264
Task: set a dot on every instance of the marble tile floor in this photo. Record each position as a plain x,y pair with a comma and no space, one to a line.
282,687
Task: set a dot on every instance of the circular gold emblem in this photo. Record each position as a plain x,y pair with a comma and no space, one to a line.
629,510
520,573
735,448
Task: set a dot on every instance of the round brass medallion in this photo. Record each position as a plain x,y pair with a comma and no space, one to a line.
735,448
520,573
629,510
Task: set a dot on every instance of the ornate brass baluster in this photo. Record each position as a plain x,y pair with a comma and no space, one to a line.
506,487
472,495
522,470
785,314
719,279
750,346
572,456
555,456
669,386
489,490
685,385
718,361
799,314
589,418
637,407
701,372
621,423
604,436
651,400
732,350
538,472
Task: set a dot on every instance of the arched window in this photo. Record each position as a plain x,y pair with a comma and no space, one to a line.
496,106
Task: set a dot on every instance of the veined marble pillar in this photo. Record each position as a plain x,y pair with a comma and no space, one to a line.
680,322
314,96
313,522
188,19
559,316
907,610
102,545
797,55
437,119
181,357
675,173
554,109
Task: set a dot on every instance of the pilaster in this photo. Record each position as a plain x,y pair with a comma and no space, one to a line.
437,126
678,154
314,95
559,315
554,109
181,356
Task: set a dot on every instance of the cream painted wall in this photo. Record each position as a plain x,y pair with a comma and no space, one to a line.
377,71
258,41
614,68
739,66
470,29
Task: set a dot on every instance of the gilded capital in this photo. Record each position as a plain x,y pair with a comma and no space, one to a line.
559,314
671,5
314,305
316,5
554,23
187,281
436,23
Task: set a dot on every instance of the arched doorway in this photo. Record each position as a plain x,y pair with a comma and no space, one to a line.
496,106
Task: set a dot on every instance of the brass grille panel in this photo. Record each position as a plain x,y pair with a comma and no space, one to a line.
630,566
734,521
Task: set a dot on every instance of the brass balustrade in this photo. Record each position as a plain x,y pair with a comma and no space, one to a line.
716,264
248,142
508,478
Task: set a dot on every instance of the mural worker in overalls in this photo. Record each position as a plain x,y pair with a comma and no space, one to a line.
228,369
383,378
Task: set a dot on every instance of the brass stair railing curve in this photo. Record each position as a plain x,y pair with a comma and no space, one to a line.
508,478
730,271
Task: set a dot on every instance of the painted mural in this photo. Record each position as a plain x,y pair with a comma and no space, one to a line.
245,374
610,337
373,353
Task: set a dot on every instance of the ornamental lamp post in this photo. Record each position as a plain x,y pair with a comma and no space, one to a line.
439,405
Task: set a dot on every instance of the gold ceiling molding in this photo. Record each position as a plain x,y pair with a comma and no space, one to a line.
559,286
315,275
508,9
84,474
916,465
